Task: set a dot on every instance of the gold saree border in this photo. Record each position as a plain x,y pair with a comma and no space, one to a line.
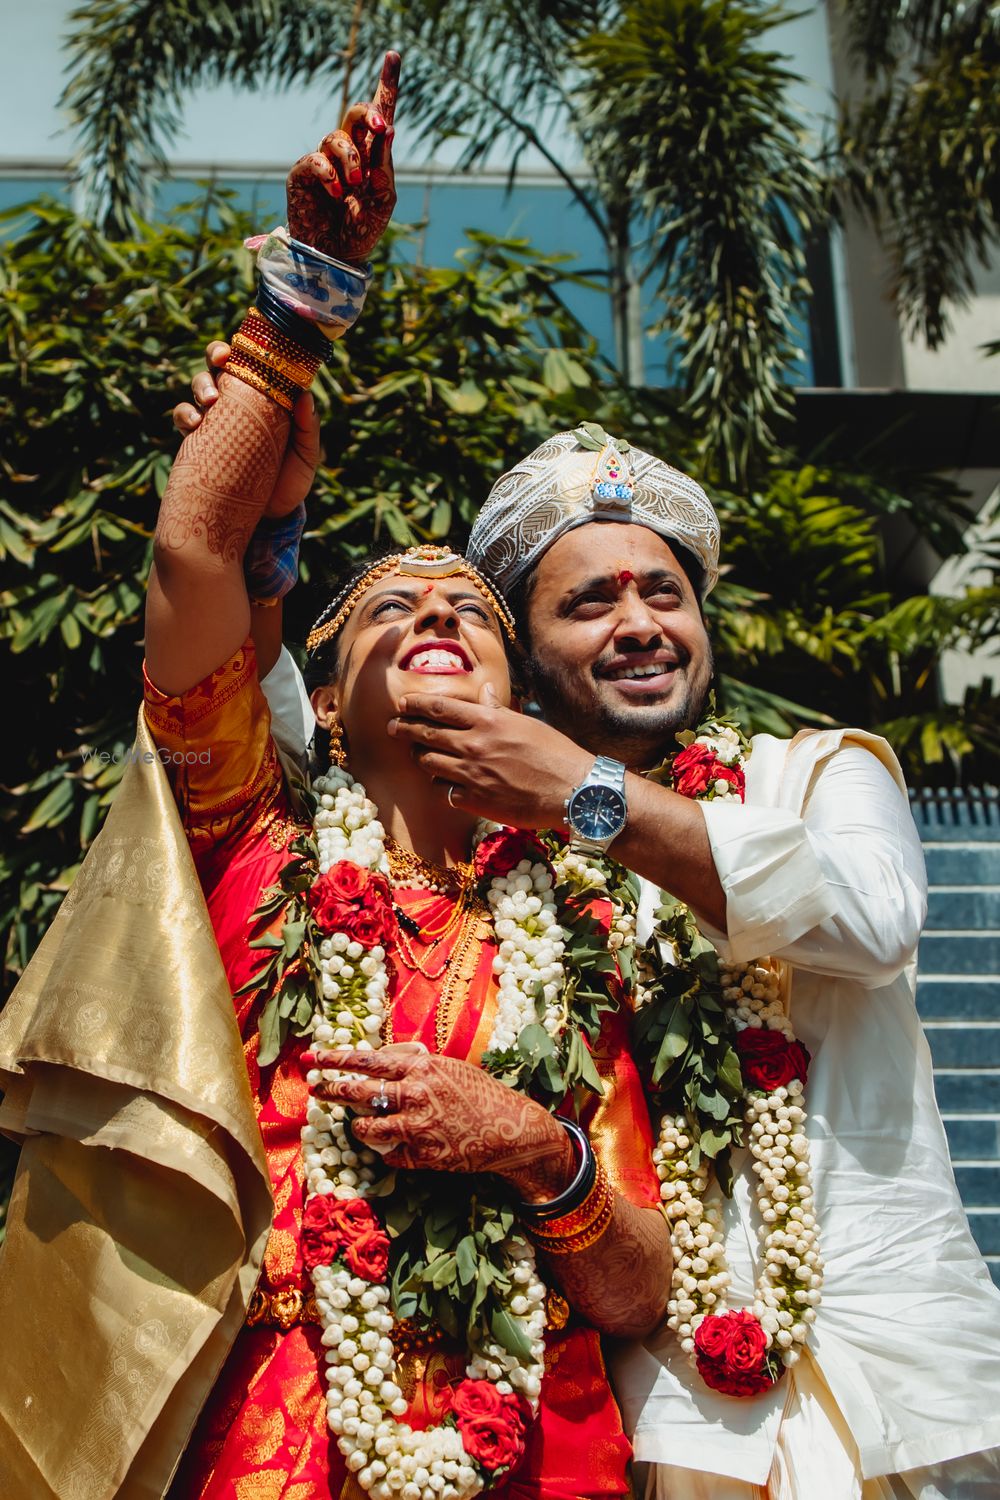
142,1205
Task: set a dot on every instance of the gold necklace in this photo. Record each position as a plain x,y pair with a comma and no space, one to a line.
408,869
411,960
476,918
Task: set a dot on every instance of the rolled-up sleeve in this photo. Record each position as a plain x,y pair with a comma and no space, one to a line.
840,890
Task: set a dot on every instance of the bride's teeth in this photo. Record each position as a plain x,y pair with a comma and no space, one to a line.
434,659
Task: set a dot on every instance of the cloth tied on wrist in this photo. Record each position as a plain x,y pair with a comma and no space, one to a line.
578,477
271,564
325,292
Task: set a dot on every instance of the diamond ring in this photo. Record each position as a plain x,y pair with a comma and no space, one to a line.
381,1104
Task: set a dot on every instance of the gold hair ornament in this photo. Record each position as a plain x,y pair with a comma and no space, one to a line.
416,562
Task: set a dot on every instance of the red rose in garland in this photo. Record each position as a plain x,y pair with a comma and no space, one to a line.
697,767
369,1255
494,1442
768,1060
356,901
500,852
332,1225
731,1354
356,1217
476,1398
322,1238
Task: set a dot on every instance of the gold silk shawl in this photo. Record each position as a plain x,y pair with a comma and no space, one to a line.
142,1205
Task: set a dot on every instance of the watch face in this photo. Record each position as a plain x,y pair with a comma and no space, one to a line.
597,812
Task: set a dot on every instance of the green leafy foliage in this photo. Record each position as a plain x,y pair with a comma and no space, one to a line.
689,95
683,1037
823,633
449,1263
921,146
285,978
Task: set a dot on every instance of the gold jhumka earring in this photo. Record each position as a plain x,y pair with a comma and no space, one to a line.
338,755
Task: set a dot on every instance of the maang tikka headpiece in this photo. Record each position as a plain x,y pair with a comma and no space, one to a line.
416,562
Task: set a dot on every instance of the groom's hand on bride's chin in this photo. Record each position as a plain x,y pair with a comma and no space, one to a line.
498,762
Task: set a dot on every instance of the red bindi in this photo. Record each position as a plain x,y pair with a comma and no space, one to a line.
624,577
428,590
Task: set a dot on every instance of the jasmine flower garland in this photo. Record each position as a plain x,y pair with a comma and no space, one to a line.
720,1054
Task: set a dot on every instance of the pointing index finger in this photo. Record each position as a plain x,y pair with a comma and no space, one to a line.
388,87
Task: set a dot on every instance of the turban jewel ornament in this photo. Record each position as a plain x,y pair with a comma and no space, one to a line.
578,477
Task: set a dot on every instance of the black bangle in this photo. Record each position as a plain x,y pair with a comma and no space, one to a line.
578,1189
289,323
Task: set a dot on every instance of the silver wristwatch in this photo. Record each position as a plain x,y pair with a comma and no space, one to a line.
596,810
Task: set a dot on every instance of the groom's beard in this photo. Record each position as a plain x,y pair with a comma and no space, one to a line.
638,734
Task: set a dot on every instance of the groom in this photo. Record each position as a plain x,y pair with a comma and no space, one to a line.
821,868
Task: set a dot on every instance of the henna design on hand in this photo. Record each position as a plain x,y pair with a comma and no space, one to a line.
621,1283
341,196
224,474
450,1116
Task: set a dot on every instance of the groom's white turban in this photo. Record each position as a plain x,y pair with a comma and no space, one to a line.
578,477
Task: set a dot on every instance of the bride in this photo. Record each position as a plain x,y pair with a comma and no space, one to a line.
408,989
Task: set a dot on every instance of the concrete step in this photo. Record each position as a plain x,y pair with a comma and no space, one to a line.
963,864
973,1138
985,1226
971,813
958,907
942,998
960,1091
979,1185
959,953
954,1045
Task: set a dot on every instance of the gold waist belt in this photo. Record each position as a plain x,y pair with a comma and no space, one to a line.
290,1306
281,1309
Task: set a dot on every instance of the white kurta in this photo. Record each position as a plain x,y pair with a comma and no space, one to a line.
823,869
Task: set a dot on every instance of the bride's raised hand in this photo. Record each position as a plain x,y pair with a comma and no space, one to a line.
341,196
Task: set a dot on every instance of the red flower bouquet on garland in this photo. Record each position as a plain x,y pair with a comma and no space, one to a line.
768,1060
355,901
697,768
731,1354
347,1229
501,851
492,1425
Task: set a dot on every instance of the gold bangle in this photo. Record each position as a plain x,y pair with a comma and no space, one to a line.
267,383
297,373
583,1215
256,326
584,1238
242,359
